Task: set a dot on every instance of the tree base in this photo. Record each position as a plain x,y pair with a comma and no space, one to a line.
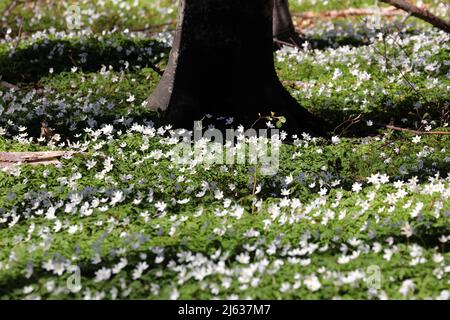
248,109
290,38
221,64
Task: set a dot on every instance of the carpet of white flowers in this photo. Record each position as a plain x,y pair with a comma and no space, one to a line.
363,215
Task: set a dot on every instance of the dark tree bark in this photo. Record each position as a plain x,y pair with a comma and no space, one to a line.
222,64
283,26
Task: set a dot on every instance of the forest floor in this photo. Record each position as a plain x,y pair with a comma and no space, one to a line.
363,215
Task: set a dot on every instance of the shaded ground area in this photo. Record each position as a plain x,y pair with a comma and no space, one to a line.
404,84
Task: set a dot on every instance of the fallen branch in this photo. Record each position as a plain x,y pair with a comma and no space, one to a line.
416,132
283,43
420,13
10,159
7,85
391,11
153,27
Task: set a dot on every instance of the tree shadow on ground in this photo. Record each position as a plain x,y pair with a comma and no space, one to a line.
31,62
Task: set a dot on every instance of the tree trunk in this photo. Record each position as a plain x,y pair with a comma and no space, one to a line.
222,64
283,26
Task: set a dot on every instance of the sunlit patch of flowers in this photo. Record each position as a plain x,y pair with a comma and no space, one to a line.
141,217
124,217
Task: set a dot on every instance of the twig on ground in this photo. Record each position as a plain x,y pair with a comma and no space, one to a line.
11,6
391,11
254,190
284,43
11,159
351,121
153,27
416,132
22,21
7,85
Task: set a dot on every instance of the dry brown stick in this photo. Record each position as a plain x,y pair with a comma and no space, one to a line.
12,159
7,85
391,11
395,128
254,191
284,43
351,120
28,157
19,36
10,7
153,27
420,13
